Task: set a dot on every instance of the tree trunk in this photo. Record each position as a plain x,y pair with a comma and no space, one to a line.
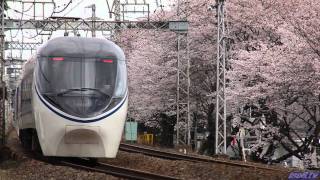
167,130
209,145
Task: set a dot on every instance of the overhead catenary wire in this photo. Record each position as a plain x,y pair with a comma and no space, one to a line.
38,31
23,13
65,7
73,8
21,17
17,11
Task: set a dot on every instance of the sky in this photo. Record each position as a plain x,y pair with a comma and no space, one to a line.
77,8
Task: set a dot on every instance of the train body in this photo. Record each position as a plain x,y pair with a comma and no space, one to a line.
72,98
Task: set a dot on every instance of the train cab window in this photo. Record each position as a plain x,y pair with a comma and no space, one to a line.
121,85
82,87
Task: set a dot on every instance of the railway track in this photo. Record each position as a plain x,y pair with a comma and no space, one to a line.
112,170
85,164
177,156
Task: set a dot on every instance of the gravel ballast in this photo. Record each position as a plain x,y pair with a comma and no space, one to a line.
28,168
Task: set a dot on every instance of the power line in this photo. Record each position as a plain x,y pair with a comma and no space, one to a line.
21,17
73,8
22,12
28,9
66,6
17,11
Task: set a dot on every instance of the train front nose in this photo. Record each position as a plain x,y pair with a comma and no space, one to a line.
82,87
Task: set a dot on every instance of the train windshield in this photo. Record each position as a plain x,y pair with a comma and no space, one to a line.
82,87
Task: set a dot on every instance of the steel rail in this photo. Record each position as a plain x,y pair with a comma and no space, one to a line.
112,169
177,156
94,166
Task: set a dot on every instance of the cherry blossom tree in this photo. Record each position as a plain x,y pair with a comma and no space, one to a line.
275,56
151,77
152,58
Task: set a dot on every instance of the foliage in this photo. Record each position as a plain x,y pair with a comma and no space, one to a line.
275,56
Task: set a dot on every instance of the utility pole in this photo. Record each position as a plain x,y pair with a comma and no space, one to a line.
117,18
221,120
93,30
3,86
183,124
117,15
183,88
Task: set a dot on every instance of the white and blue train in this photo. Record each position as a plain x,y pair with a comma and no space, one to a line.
72,99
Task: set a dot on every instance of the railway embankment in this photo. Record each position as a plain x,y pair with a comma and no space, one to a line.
16,164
